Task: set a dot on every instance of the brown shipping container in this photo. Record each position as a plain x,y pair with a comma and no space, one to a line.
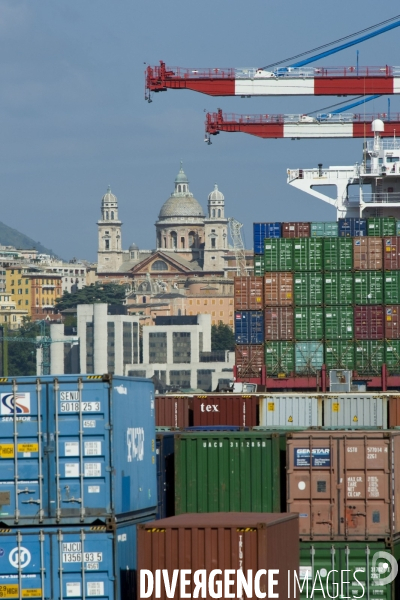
391,253
249,360
368,322
367,253
278,289
394,411
297,229
225,409
249,293
392,322
237,541
350,488
173,411
278,323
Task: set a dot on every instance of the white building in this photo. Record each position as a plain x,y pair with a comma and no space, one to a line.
179,354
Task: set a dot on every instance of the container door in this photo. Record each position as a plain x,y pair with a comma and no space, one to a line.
319,559
25,565
83,564
79,416
23,445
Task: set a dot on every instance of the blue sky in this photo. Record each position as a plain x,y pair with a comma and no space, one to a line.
74,119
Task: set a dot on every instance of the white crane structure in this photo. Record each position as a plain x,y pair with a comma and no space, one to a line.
240,253
370,188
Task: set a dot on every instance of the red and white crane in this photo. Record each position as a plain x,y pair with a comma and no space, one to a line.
301,126
298,79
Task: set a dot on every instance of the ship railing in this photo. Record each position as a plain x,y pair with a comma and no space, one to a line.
388,144
322,174
376,198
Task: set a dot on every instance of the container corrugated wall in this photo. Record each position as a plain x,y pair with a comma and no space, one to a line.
309,357
308,289
291,410
249,327
216,471
279,357
173,410
248,293
278,254
392,287
368,287
367,253
368,322
249,360
339,354
262,231
338,254
361,410
278,289
296,229
338,287
308,323
352,227
307,254
225,409
369,356
391,254
339,322
278,323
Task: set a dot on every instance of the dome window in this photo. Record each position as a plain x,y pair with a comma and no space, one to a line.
112,215
179,188
159,265
107,215
219,212
174,240
192,238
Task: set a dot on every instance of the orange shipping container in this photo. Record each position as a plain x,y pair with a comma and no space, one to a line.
344,484
298,229
248,293
225,409
367,253
237,541
173,411
278,323
392,322
249,360
278,289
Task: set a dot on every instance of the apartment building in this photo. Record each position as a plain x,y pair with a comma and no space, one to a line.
34,291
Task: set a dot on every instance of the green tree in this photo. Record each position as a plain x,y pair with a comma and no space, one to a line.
222,337
22,353
109,293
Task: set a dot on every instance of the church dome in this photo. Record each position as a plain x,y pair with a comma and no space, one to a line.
133,247
109,197
216,194
181,203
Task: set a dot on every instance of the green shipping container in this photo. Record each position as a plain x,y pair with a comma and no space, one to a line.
381,226
324,229
392,356
397,227
307,254
279,357
308,323
391,287
278,254
339,354
227,472
308,289
259,265
339,322
357,564
338,254
368,287
338,287
369,356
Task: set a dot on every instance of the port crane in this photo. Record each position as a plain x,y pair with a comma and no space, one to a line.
297,79
238,246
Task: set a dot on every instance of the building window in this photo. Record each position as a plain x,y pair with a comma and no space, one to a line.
157,348
182,242
179,188
213,301
221,301
107,215
159,265
26,291
181,347
230,301
192,238
107,244
19,292
221,313
212,242
213,212
26,302
219,212
205,301
174,239
19,282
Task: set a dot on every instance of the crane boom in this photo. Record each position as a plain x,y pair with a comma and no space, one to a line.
331,125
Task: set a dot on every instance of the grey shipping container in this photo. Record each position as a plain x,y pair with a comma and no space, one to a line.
362,410
77,449
237,541
227,471
291,410
344,484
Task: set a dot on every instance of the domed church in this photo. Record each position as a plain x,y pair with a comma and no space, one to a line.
187,241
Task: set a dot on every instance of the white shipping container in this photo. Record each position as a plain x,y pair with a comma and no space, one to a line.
291,410
355,410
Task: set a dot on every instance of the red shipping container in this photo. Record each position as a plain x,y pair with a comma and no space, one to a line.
225,409
278,289
392,322
394,411
278,323
224,540
367,253
297,229
368,323
391,253
249,360
173,411
249,292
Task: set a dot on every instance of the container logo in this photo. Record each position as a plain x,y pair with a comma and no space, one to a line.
135,443
387,566
22,404
19,557
120,389
321,457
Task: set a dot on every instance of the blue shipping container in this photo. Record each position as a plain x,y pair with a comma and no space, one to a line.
249,327
76,449
261,231
165,474
352,227
69,563
309,357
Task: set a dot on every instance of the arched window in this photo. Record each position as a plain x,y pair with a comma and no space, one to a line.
112,215
107,215
159,265
184,188
182,242
165,242
219,212
192,239
174,239
213,212
179,188
158,240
